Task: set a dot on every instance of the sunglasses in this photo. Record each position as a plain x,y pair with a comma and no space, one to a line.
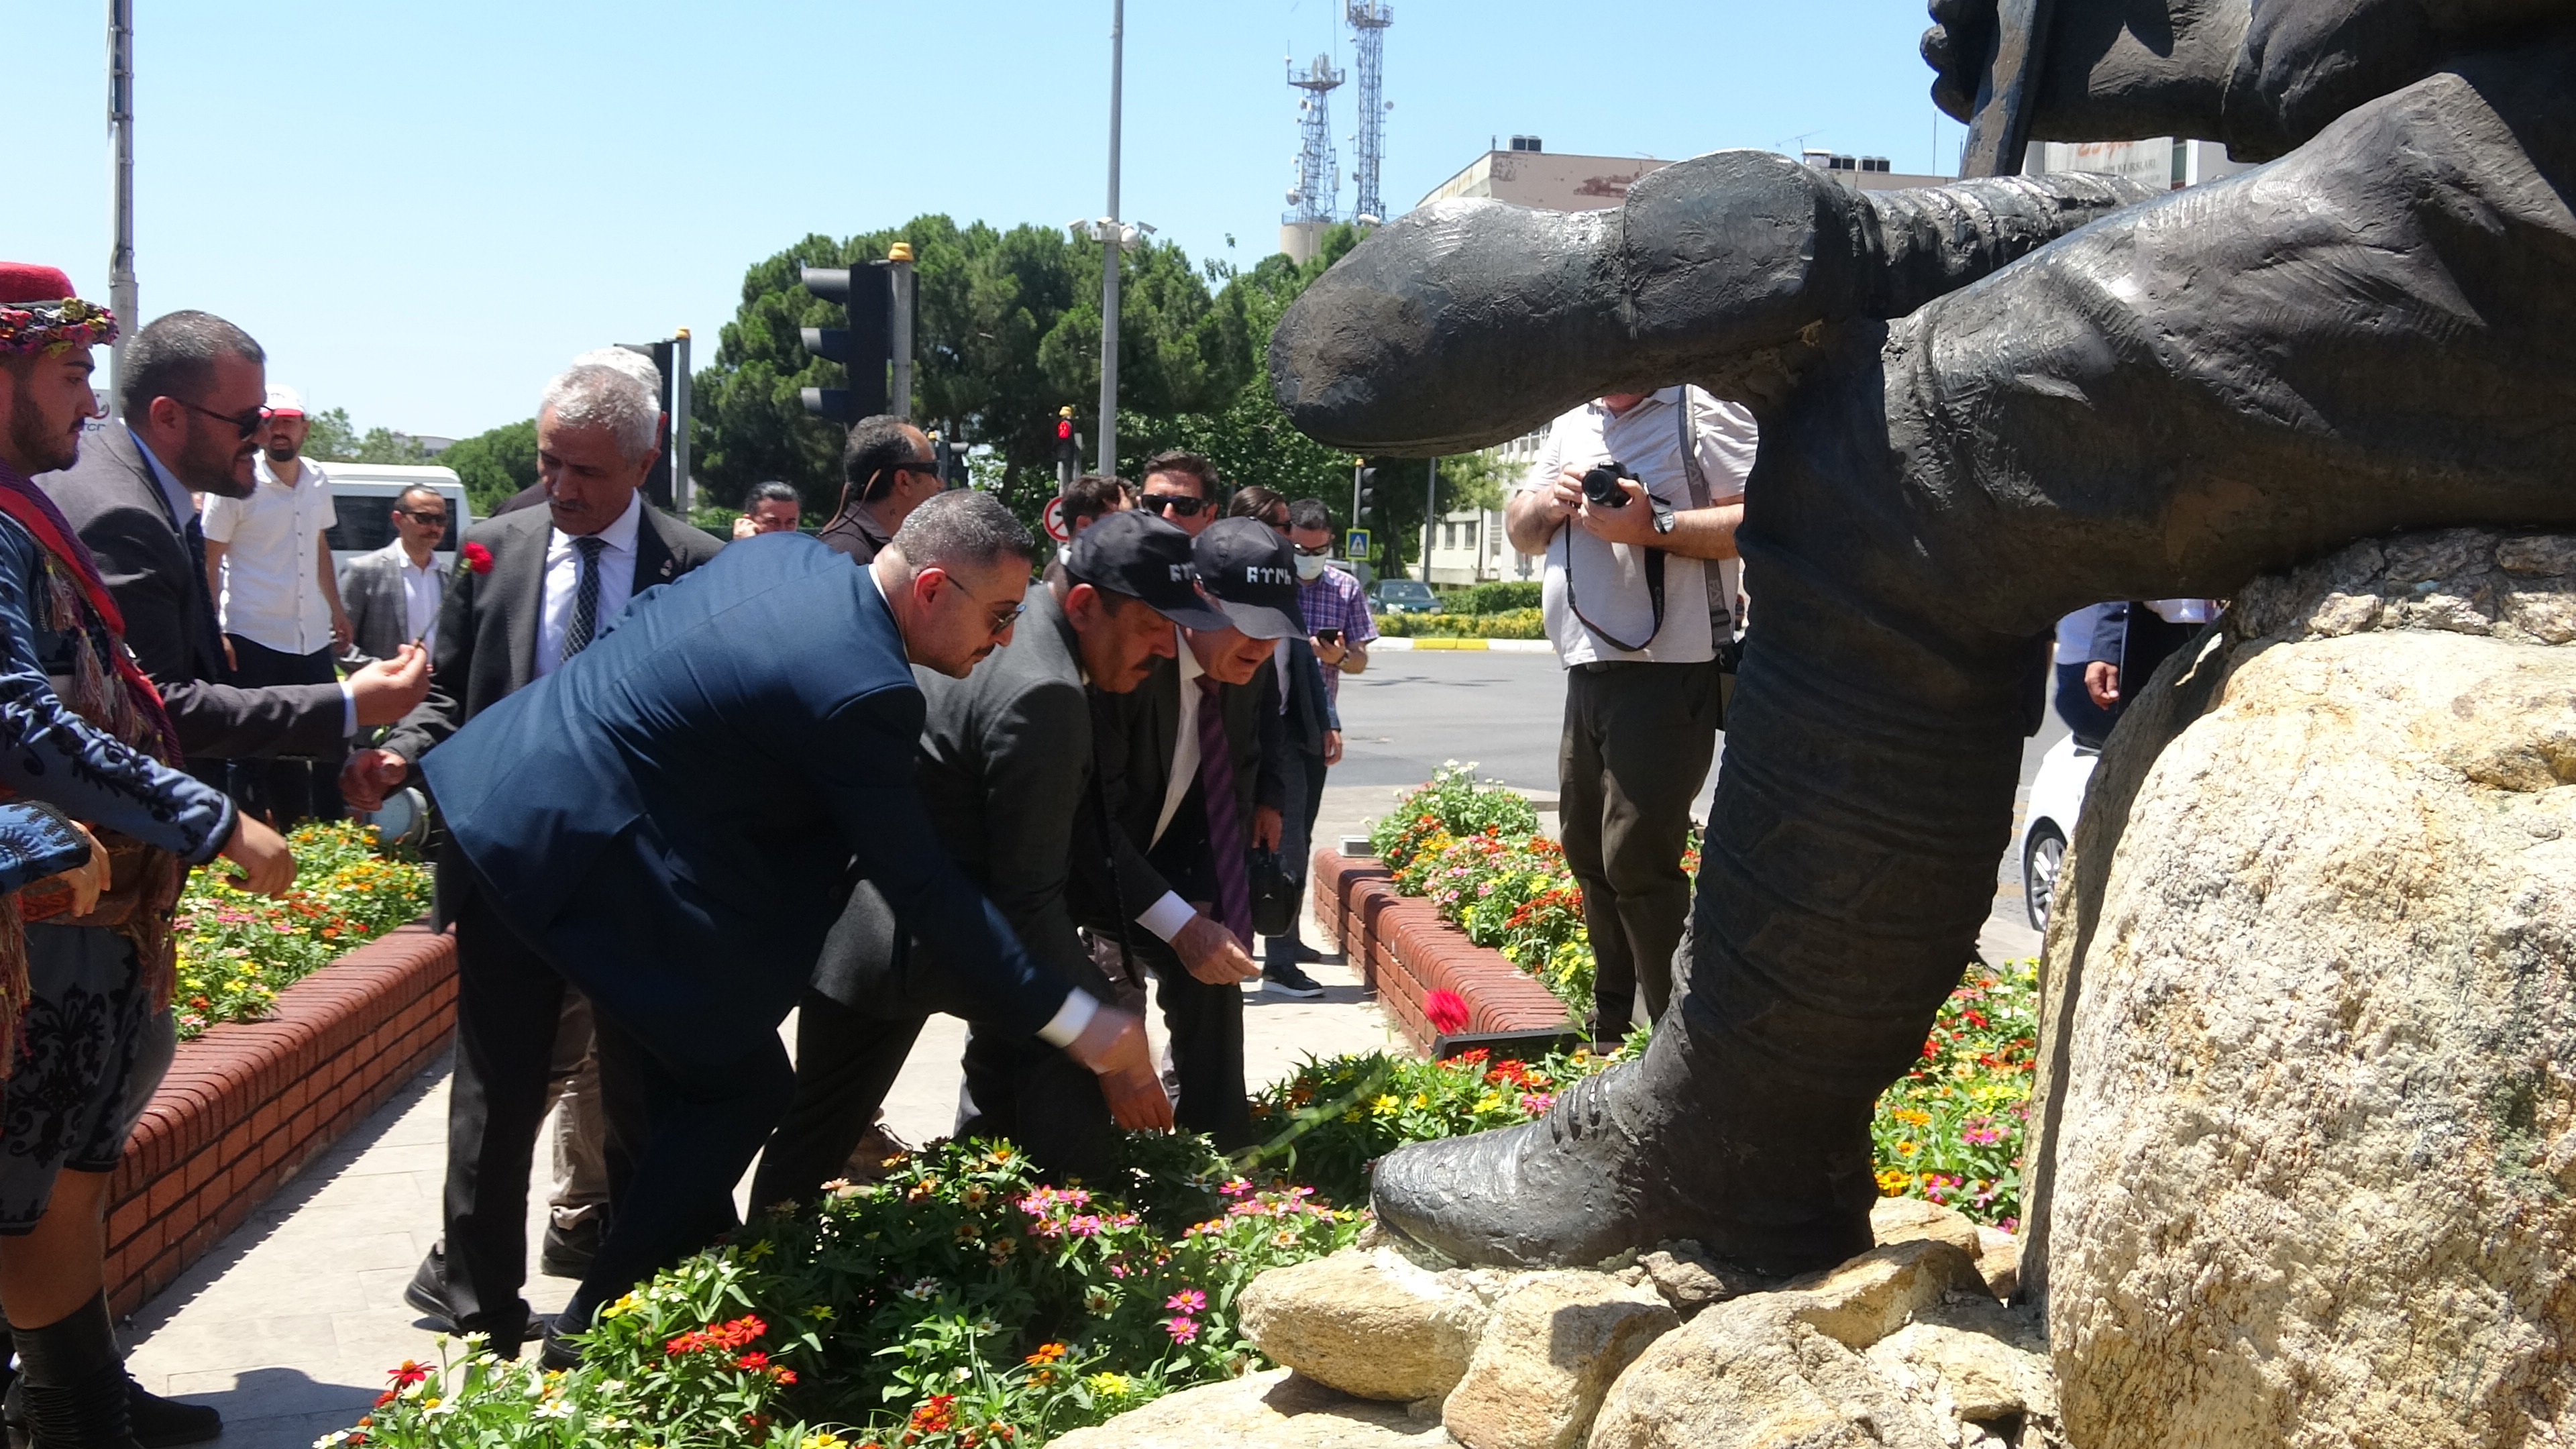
1180,503
424,519
1321,550
245,424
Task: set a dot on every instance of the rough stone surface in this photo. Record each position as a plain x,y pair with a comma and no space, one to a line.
1788,1370
1551,1349
1976,1377
1274,1410
1368,1322
1909,1219
1690,1280
2310,1068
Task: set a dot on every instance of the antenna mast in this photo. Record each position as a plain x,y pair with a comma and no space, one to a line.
1370,18
1319,182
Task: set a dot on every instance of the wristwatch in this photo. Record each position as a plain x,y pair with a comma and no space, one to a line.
1663,515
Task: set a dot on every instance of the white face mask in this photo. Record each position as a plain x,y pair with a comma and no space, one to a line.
1310,567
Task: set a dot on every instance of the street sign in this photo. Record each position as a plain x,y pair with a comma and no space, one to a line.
1053,518
1355,543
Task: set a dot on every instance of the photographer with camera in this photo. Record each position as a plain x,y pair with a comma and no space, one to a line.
1634,500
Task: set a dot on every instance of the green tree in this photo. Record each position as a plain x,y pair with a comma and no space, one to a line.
330,437
494,464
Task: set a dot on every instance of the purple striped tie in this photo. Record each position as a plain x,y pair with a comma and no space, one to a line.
1225,829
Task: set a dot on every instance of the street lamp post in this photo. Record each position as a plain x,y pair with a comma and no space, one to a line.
120,135
1113,236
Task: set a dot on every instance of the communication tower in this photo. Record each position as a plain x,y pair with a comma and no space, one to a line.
1370,18
1319,183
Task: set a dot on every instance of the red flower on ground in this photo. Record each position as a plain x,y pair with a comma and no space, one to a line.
1446,1010
411,1372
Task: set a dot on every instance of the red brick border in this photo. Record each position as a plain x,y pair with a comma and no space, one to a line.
1404,950
248,1104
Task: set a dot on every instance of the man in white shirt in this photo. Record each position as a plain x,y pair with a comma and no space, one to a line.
393,593
268,567
1642,600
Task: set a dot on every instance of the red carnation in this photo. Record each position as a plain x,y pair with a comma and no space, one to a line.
1446,1009
478,559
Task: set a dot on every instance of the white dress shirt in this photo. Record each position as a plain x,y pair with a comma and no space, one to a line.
563,581
272,547
424,587
1185,743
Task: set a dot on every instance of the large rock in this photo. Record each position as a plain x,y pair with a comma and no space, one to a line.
1549,1352
1905,1219
1274,1410
2310,1067
1789,1370
1366,1321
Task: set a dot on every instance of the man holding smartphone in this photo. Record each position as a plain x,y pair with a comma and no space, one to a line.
1338,624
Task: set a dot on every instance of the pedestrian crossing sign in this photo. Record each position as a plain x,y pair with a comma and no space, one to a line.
1355,543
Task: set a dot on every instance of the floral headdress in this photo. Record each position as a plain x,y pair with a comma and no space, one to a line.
39,313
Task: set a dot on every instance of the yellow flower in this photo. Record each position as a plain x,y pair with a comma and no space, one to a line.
1905,1149
1108,1386
822,1441
1892,1183
1386,1106
620,1308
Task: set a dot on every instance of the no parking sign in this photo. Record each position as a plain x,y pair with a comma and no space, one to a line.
1053,519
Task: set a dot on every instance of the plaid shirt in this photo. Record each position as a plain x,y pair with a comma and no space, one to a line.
1334,601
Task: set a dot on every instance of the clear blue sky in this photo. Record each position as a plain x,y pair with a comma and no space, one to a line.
422,210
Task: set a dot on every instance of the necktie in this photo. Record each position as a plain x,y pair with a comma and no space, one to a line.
585,597
1225,828
212,632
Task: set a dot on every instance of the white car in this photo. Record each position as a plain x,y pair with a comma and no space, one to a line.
2056,798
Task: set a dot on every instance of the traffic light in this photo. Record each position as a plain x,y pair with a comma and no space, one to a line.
951,461
1367,497
1068,443
865,346
657,483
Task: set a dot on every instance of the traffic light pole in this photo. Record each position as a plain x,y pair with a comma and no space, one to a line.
684,489
899,325
1111,244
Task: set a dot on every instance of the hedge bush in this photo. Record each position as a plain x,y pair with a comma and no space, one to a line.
1518,624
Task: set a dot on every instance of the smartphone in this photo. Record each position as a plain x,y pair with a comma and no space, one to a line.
1328,636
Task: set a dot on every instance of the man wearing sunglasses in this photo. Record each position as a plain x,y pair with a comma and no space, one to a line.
886,472
393,594
193,389
1181,488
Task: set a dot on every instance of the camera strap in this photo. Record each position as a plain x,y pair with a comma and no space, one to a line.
1654,595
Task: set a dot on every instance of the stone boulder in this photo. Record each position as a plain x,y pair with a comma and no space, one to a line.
1551,1349
1840,1360
1369,1322
2308,1110
1274,1410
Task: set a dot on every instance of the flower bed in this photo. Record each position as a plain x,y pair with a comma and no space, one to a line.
236,951
955,1303
1509,624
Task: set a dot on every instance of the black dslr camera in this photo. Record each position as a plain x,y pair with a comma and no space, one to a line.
1601,484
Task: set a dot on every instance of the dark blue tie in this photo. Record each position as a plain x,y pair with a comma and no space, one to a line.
585,597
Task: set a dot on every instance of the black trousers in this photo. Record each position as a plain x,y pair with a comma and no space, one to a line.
1638,741
846,1062
1044,1101
285,791
509,1012
1305,774
1205,1024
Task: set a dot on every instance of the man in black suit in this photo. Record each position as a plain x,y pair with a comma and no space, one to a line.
1006,772
193,387
1189,768
547,583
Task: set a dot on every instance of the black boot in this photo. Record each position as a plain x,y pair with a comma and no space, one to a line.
1673,1146
158,1423
75,1382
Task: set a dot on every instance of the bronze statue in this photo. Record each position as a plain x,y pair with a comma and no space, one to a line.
1982,405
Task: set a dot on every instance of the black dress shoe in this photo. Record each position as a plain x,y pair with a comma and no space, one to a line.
505,1328
567,1251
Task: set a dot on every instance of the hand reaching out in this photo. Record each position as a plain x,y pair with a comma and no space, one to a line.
1212,954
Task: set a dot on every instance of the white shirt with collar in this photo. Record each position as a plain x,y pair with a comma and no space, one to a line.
272,542
563,581
1609,580
424,588
1185,742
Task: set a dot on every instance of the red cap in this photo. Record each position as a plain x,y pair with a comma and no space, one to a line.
28,282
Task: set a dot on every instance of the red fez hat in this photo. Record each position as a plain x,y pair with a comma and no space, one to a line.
28,282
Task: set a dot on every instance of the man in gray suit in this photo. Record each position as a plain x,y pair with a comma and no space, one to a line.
193,385
392,595
1007,773
533,588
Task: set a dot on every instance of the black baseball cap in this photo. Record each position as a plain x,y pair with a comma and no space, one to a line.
1134,553
1247,567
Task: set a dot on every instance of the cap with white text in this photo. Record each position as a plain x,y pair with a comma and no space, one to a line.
1137,554
1247,567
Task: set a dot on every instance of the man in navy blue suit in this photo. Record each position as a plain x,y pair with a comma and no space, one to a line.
669,818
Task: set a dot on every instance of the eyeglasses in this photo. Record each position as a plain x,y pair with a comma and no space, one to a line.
1321,550
1003,619
245,424
425,520
1179,503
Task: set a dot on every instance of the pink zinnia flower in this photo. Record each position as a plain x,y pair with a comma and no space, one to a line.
1188,1300
1182,1330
